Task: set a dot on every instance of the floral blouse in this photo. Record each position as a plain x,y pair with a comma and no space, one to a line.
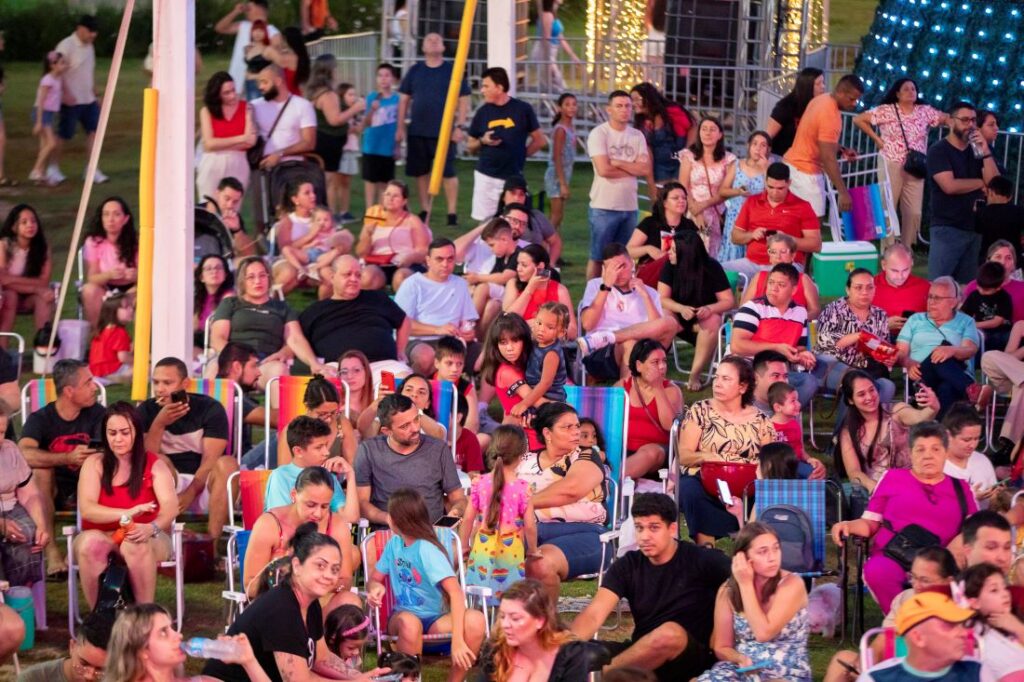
734,442
837,320
589,509
916,127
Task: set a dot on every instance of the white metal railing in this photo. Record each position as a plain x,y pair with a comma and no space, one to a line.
357,55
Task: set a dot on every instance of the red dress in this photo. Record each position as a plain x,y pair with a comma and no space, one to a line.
643,429
539,298
506,379
121,499
289,81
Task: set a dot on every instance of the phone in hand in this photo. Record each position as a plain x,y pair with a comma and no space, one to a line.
769,233
724,493
179,396
544,273
448,521
387,381
752,668
907,313
96,444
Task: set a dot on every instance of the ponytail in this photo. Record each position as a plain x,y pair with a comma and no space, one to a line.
508,443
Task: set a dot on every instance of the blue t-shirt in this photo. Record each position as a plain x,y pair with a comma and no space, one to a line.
897,670
511,123
381,125
416,572
282,482
535,367
923,336
428,87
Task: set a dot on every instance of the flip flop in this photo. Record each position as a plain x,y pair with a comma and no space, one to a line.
8,182
58,576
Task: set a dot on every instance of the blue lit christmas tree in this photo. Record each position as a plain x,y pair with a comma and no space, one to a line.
954,50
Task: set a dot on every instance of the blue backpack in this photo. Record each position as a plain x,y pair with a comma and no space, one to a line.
796,537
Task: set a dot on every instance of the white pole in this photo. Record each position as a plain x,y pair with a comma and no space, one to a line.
174,42
501,38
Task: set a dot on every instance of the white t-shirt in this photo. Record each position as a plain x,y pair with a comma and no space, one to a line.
979,472
242,40
479,258
1000,656
78,79
299,114
620,310
615,194
436,303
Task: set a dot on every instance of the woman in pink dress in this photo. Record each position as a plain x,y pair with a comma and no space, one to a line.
111,255
506,349
705,167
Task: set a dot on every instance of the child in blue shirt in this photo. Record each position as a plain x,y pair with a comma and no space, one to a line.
379,126
545,368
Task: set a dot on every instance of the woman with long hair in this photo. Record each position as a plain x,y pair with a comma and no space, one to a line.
785,116
110,253
903,120
354,370
25,268
667,127
323,401
652,238
124,481
228,130
214,282
693,287
705,168
299,217
747,181
392,238
528,291
760,614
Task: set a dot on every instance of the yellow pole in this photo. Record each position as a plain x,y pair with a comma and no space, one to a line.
144,295
452,101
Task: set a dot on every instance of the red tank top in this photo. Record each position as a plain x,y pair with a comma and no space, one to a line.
230,127
539,298
508,377
643,428
121,499
761,286
289,81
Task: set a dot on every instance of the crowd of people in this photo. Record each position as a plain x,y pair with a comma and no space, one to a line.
520,495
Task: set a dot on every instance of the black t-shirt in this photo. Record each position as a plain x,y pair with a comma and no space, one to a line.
511,123
715,280
784,112
273,622
52,433
506,263
652,229
1001,221
984,307
681,591
953,210
365,323
183,440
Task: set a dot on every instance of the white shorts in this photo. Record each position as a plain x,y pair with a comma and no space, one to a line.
810,187
486,195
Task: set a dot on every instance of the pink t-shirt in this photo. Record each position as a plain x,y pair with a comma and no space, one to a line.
103,252
52,100
514,498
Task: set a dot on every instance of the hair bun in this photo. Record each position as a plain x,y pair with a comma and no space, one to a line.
304,530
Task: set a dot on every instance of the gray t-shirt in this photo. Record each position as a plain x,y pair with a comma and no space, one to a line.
430,470
616,194
51,671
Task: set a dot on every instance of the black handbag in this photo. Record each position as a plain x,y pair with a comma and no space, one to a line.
912,538
254,154
115,586
916,163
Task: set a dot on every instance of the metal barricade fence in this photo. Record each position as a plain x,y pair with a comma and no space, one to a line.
358,55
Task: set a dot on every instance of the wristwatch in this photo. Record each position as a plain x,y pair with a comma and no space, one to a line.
604,287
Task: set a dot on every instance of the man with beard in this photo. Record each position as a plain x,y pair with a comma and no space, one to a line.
238,362
670,586
402,457
956,180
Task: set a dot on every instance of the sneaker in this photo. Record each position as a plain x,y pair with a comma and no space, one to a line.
313,273
346,217
99,178
54,175
595,341
453,220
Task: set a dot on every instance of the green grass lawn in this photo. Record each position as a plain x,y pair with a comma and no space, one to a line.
58,206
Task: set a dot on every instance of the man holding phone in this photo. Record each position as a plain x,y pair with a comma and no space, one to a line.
898,292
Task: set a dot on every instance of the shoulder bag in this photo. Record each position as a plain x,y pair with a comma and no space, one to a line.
916,163
905,544
254,154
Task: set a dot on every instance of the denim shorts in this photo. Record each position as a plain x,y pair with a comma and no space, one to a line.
607,227
579,542
48,117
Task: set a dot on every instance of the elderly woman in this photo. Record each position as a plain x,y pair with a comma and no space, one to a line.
1002,252
727,427
839,327
271,327
694,287
921,496
23,529
782,249
934,346
124,481
568,484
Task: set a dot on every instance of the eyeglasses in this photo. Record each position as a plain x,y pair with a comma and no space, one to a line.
936,297
89,672
326,416
779,252
966,119
214,268
920,580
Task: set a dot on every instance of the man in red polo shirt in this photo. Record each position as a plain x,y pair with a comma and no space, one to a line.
774,210
896,290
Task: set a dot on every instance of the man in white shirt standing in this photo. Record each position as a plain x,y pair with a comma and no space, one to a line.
255,10
619,154
78,96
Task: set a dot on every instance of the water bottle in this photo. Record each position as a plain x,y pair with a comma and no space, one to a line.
202,647
976,148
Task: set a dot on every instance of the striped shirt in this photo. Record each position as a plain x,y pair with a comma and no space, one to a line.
752,314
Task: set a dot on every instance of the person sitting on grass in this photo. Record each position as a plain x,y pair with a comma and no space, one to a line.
87,654
669,586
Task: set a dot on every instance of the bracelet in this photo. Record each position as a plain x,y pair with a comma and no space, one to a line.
156,529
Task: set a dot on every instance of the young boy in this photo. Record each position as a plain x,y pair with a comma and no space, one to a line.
963,461
468,455
487,278
1000,218
309,440
785,402
990,306
380,124
449,363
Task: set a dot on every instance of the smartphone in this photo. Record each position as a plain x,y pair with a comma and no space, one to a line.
387,380
97,444
907,313
448,521
724,493
544,272
849,668
769,233
752,668
179,396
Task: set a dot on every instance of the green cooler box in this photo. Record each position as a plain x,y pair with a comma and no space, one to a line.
830,268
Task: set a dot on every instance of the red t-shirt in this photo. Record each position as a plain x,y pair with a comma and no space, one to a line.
792,433
103,350
793,216
913,295
468,455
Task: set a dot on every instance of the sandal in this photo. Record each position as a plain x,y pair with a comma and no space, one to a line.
8,182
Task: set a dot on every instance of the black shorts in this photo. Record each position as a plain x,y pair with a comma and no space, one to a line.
65,481
601,364
688,330
8,366
378,168
419,159
695,659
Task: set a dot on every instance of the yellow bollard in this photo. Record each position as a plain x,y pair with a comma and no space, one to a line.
144,290
452,101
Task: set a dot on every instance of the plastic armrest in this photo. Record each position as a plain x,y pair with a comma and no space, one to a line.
237,597
364,523
609,536
68,531
663,474
479,590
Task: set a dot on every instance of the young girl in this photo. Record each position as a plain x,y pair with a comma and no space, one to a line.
428,597
44,114
500,524
559,172
110,351
545,367
349,164
760,614
314,251
506,348
590,434
999,633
